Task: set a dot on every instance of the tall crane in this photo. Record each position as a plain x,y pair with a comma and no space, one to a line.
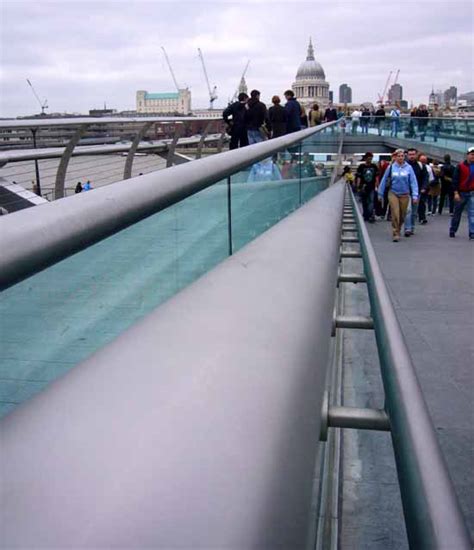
382,97
396,77
212,93
243,76
171,69
43,104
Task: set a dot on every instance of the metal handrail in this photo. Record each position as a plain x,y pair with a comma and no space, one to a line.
33,239
432,513
198,426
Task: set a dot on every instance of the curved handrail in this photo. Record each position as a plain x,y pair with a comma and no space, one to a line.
34,239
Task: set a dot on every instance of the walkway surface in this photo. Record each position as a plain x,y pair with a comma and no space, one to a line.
430,278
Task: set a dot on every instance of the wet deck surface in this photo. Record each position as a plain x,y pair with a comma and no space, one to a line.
431,280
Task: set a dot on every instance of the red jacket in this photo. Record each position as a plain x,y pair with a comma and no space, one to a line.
463,181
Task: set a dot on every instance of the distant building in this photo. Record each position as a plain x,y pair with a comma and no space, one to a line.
102,112
331,96
467,99
395,94
169,103
310,84
451,96
345,94
436,98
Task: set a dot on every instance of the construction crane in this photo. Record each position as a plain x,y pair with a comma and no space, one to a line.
382,97
243,76
396,77
170,68
43,104
212,93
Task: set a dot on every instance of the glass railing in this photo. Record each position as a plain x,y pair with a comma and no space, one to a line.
449,133
58,317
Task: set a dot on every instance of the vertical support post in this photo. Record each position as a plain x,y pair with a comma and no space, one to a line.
127,172
229,214
201,141
171,148
63,164
38,182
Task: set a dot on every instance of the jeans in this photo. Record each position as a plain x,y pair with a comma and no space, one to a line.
467,199
410,218
367,200
432,204
394,130
255,136
446,191
364,125
422,207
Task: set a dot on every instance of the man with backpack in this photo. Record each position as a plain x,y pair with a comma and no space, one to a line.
234,117
366,183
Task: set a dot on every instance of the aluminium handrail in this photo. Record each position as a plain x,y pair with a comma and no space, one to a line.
433,517
197,427
33,239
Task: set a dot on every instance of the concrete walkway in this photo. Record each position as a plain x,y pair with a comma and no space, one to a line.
431,281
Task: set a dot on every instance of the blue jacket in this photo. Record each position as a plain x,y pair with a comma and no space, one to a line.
293,113
403,180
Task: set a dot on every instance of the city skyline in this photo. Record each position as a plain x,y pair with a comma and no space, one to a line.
85,54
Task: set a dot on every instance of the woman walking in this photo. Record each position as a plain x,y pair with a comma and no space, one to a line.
278,118
401,182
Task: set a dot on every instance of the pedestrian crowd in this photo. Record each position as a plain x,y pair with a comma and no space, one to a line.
249,121
409,189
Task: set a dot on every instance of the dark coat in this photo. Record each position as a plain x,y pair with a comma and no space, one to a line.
255,115
237,112
278,120
293,113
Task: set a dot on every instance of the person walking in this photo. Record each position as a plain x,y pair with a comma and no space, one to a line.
366,183
422,115
278,117
434,189
380,119
293,112
418,208
234,117
315,116
256,118
395,115
364,120
402,183
330,114
355,119
446,177
463,184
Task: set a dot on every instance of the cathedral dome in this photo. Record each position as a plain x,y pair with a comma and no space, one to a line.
310,69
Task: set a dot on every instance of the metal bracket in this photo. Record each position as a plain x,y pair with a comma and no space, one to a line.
351,278
349,239
354,321
351,417
350,254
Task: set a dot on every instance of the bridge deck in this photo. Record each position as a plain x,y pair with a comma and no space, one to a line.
430,278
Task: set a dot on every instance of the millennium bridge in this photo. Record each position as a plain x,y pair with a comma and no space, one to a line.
213,356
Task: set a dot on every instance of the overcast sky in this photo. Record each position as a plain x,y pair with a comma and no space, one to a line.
79,55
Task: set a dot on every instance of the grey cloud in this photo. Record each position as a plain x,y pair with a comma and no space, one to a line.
80,53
